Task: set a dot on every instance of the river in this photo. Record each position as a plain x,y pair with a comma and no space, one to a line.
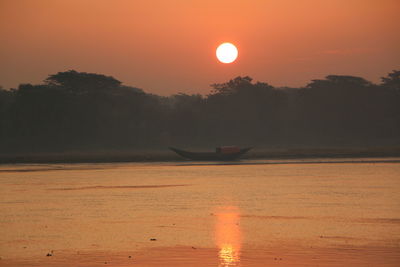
316,212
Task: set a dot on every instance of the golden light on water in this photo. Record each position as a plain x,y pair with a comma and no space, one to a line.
228,255
228,236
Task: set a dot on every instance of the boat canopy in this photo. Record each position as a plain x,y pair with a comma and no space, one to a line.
227,149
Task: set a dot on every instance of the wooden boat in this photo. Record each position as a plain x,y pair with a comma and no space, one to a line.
221,153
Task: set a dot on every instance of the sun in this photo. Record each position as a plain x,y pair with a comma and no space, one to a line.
226,53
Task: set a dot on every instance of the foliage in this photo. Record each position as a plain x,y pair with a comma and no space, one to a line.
392,81
83,111
82,81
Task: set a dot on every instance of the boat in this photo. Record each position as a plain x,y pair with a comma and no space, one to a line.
220,154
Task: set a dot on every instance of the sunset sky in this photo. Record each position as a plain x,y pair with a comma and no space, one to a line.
165,47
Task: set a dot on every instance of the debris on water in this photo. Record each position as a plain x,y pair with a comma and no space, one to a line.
153,239
129,256
49,255
321,236
193,248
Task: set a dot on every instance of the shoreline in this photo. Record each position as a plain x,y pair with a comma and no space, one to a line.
184,255
166,155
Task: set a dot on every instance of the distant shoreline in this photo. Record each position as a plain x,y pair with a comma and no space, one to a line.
166,155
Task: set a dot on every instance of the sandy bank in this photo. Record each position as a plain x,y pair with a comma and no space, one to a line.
167,155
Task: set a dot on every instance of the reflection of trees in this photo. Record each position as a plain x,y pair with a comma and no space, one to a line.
77,110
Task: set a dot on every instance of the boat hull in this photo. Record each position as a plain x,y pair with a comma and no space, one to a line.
209,156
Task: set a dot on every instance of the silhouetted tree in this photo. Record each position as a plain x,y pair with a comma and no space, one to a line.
241,111
81,111
233,86
392,80
82,81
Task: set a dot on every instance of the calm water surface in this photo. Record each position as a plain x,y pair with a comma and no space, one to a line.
320,213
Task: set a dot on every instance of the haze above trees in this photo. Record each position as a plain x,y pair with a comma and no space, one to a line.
85,111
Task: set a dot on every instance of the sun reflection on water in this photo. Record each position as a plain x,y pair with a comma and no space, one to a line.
228,236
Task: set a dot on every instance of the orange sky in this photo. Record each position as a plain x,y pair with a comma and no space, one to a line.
168,46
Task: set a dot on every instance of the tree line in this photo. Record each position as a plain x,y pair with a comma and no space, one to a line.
86,111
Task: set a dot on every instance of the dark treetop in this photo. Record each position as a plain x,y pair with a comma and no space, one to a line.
84,111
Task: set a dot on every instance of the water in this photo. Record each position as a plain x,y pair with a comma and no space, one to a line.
251,213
